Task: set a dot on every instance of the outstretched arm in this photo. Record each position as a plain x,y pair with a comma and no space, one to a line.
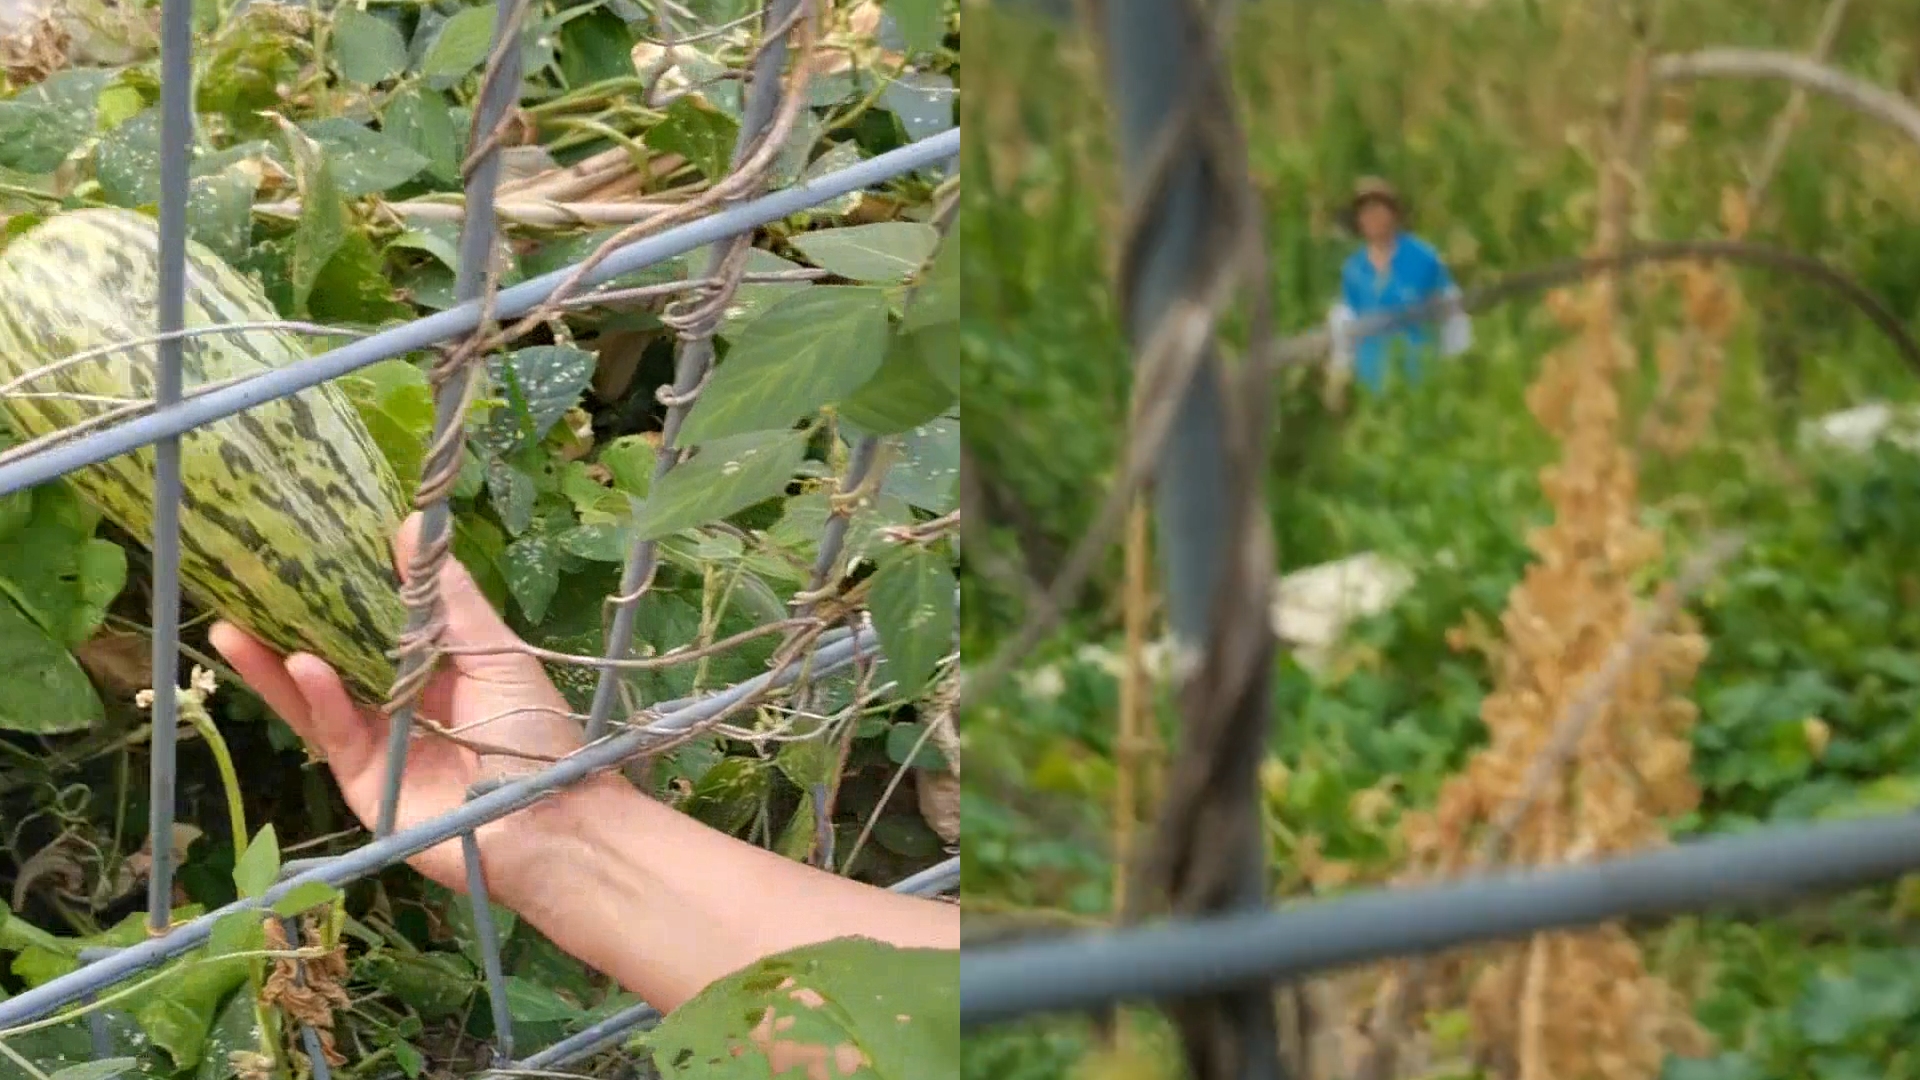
647,895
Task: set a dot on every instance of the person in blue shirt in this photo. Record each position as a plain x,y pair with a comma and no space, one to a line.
1392,270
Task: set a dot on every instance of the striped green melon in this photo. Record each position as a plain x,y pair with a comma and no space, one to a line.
290,507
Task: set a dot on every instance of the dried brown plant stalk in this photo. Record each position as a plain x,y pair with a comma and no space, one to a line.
1578,1006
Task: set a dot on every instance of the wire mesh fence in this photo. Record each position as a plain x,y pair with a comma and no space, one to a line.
484,317
1200,939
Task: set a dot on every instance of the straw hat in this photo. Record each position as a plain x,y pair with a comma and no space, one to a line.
1374,188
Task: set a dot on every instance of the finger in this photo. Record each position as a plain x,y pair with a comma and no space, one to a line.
340,729
264,672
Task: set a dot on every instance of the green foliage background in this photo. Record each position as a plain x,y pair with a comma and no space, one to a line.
1488,116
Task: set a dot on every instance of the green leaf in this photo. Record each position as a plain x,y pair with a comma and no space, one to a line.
322,229
598,543
901,1007
630,458
422,120
367,49
46,122
903,738
364,161
886,252
220,212
809,350
259,866
102,574
461,45
722,478
531,1003
104,1069
702,135
922,23
754,298
729,794
305,897
437,984
513,493
233,1030
547,381
532,568
912,601
927,472
47,691
902,395
127,161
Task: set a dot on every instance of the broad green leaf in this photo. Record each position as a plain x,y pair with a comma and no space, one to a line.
595,46
354,287
479,544
421,119
104,1069
922,23
753,298
532,568
810,350
513,494
220,212
723,478
901,1007
305,897
233,1030
936,296
531,1003
127,161
47,691
461,45
911,597
259,866
367,49
604,542
546,381
922,101
702,135
728,794
902,739
886,252
16,509
927,472
102,574
630,458
322,228
364,161
46,122
902,395
438,985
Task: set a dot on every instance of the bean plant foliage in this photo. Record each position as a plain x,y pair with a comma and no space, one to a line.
326,166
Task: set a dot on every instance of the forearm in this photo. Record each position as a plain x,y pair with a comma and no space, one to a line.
666,905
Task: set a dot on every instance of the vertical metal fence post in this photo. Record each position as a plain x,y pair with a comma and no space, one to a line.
694,361
487,931
1153,68
176,155
478,232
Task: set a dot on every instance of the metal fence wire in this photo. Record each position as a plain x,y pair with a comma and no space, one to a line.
1201,938
724,216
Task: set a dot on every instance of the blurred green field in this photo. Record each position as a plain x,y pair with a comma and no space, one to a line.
1491,117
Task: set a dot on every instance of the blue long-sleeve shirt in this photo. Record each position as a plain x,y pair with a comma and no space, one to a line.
1414,275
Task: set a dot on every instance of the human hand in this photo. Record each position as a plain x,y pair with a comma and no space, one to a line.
470,688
